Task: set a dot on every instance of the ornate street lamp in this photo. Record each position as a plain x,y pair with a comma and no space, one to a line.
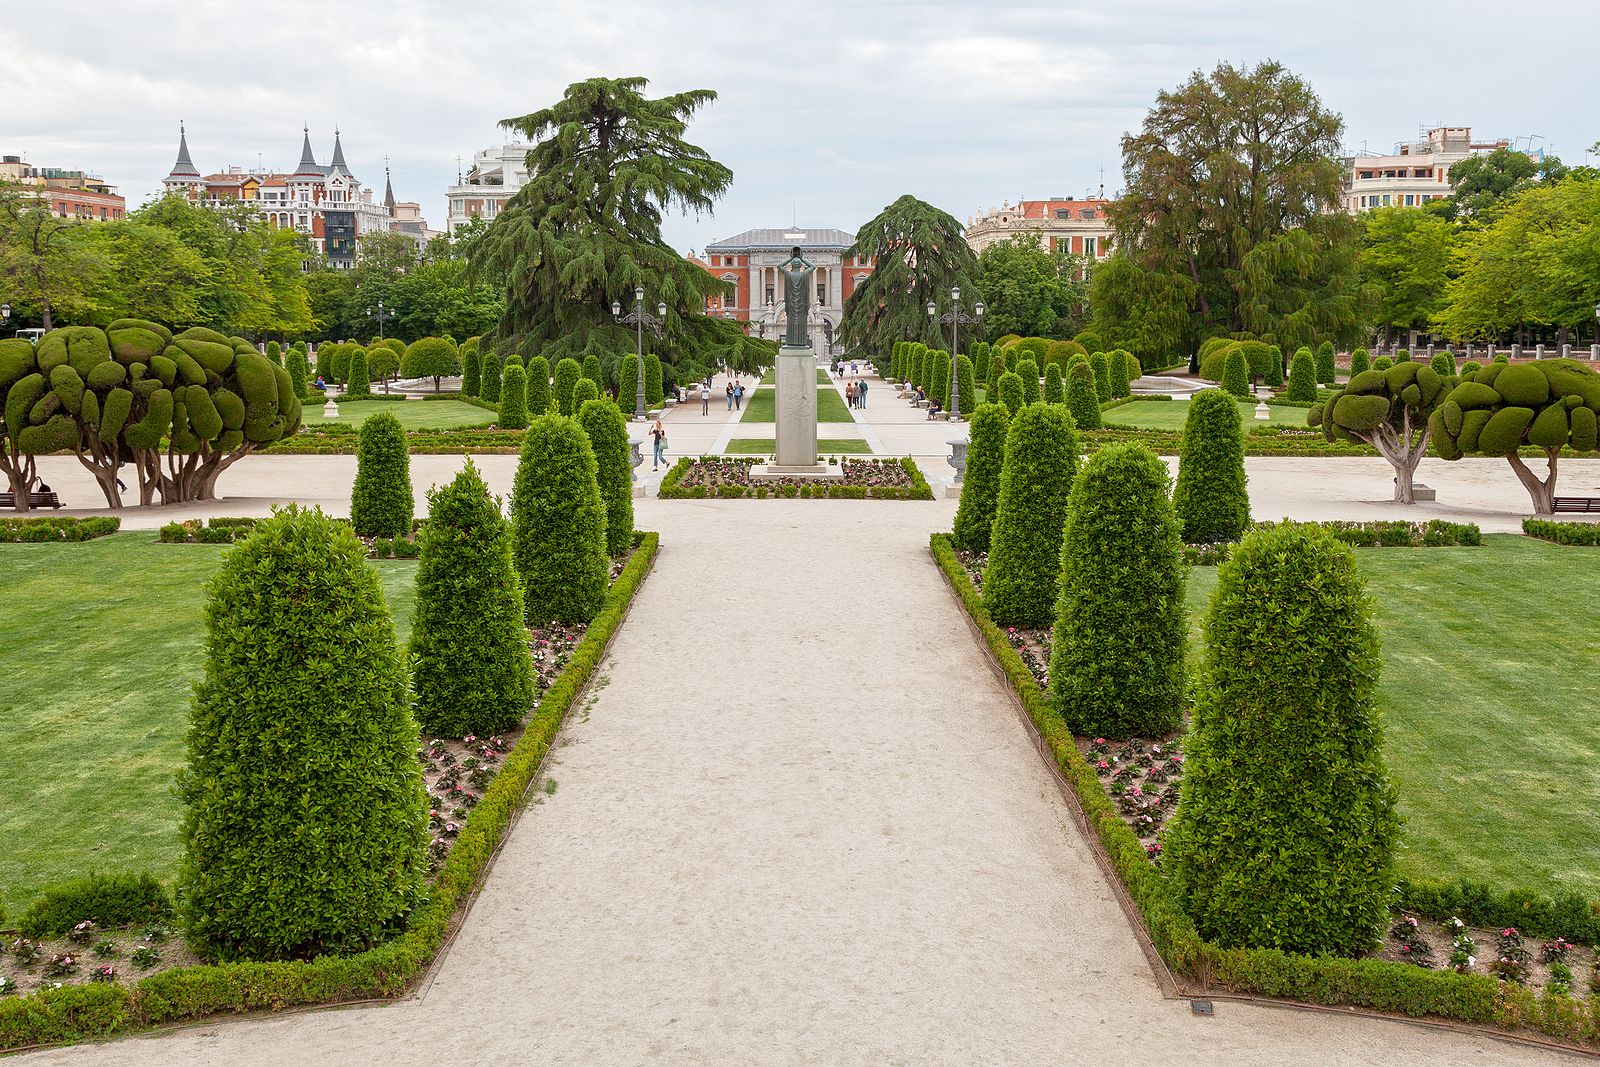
382,317
5,314
640,318
955,317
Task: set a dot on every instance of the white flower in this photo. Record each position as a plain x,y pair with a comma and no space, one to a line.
1472,961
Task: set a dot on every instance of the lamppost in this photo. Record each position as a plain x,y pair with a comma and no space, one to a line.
955,317
382,317
640,318
5,314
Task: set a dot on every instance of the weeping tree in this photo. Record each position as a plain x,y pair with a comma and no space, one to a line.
918,254
607,163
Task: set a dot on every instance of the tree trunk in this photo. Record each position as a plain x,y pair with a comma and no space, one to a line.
1543,491
1404,450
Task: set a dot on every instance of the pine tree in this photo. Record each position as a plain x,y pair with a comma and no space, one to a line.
917,253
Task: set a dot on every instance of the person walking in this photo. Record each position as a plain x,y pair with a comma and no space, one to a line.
738,397
855,367
730,396
658,434
862,387
705,398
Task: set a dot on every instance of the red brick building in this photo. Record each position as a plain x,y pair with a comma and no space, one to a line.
749,263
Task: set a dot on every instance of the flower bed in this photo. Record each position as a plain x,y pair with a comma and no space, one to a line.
52,528
729,477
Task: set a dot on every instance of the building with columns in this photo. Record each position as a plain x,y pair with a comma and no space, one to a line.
749,262
1063,223
494,177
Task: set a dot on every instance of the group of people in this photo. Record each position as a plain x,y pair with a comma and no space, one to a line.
839,365
735,396
856,393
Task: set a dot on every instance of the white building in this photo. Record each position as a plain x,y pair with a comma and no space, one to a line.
1063,223
749,262
1415,173
494,177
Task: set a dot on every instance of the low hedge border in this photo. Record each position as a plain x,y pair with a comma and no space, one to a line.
1562,533
1569,915
52,528
1381,533
1136,398
671,490
100,1010
1373,985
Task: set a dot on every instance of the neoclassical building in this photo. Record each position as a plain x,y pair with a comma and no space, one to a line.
749,262
1064,224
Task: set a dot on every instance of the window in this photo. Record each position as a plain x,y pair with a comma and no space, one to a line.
1411,201
1089,246
771,295
1063,213
1385,199
1087,213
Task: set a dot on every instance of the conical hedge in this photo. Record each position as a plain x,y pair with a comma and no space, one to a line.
559,521
568,371
1211,500
489,387
1055,389
538,387
1010,391
513,398
381,502
608,436
1028,371
1082,399
358,383
1019,584
980,488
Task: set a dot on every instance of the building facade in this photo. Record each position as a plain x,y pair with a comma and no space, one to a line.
494,177
1064,224
1415,173
71,194
749,263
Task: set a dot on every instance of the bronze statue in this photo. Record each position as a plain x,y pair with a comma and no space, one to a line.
797,298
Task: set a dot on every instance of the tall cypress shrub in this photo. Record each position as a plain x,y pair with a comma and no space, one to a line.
471,669
628,384
1274,368
299,371
608,437
1082,399
591,369
1010,391
324,363
939,379
538,388
1116,661
359,384
968,399
653,394
274,353
980,489
1327,371
304,831
1236,373
1102,376
489,386
1019,584
567,374
1285,831
559,521
1055,390
471,369
1211,501
380,503
513,398
1302,378
585,391
340,362
1360,360
997,367
1028,371
1119,375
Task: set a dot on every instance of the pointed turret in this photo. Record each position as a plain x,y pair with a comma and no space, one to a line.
308,163
338,166
183,171
388,191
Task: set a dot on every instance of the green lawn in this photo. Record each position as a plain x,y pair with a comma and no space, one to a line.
99,643
413,414
762,446
1169,415
770,378
758,406
1489,692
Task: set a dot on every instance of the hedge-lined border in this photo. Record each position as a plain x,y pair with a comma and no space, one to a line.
1396,989
1562,533
671,490
100,1010
56,529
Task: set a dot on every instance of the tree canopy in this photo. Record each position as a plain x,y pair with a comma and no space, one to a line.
1030,291
1406,258
918,254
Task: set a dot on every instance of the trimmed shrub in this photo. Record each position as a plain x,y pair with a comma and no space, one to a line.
1028,371
653,394
559,520
1120,385
1274,367
980,489
324,365
1236,373
939,377
1116,661
471,669
471,369
513,398
538,390
1055,390
1443,364
1019,584
969,387
340,362
306,828
997,367
1382,363
1102,376
1327,368
585,391
103,899
628,384
383,360
358,383
1010,391
1082,399
1402,355
489,387
1211,501
591,370
431,357
380,503
1360,360
1302,378
275,353
608,436
299,371
1285,831
567,374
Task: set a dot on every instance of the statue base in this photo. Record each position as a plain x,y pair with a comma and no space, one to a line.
796,408
775,472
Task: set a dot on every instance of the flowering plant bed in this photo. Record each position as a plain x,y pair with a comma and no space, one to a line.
728,476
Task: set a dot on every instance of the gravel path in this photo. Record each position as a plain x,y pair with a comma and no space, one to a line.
798,823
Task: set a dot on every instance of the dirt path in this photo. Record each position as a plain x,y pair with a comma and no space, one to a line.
799,823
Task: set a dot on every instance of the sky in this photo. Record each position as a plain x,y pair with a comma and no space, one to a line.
827,110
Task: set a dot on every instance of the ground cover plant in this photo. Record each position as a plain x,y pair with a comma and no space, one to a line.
760,405
413,415
1171,416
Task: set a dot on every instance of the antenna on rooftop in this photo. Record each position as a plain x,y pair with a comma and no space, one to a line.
1102,195
458,170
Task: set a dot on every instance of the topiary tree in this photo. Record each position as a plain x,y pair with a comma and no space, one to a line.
1028,371
980,490
1469,365
591,369
608,437
299,371
628,384
305,827
1382,363
939,378
358,384
1402,355
1116,660
1360,360
471,369
1019,583
383,361
1210,500
489,387
997,367
380,503
1443,364
431,357
1327,368
653,393
1010,391
559,519
1082,399
1274,367
274,353
1302,378
1055,390
1285,831
1549,404
1236,374
324,363
469,651
1135,371
1118,367
1389,410
538,387
969,387
568,372
584,392
1101,369
513,398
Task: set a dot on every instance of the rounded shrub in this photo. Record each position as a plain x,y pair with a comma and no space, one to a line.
608,436
1082,399
1236,373
380,503
559,523
1285,832
1102,375
980,489
1403,355
653,394
1116,660
1210,500
299,371
1302,377
1010,391
568,372
538,389
305,831
1444,364
591,370
584,392
471,369
383,361
1118,368
431,357
1028,371
358,383
274,353
489,387
1019,584
1382,363
513,398
1055,390
471,669
1360,360
1327,368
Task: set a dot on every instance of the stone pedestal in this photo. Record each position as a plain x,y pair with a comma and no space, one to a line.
796,410
330,410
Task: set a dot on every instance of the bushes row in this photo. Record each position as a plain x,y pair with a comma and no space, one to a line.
1562,533
1397,533
104,899
51,528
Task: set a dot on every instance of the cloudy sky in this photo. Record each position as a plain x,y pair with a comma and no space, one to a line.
827,110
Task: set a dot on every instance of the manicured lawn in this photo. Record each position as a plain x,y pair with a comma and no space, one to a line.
762,446
1489,692
758,406
771,377
413,414
99,644
1169,415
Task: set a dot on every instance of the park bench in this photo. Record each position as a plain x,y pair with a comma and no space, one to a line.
38,500
920,403
1583,504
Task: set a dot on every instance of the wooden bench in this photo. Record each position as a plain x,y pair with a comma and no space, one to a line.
1582,504
37,500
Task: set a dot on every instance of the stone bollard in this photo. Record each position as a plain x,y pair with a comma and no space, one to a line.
1594,351
1469,349
1516,351
1430,353
1538,351
1566,351
1490,349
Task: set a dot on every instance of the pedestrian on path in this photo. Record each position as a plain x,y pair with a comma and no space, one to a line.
705,398
855,367
658,433
862,386
730,396
738,397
